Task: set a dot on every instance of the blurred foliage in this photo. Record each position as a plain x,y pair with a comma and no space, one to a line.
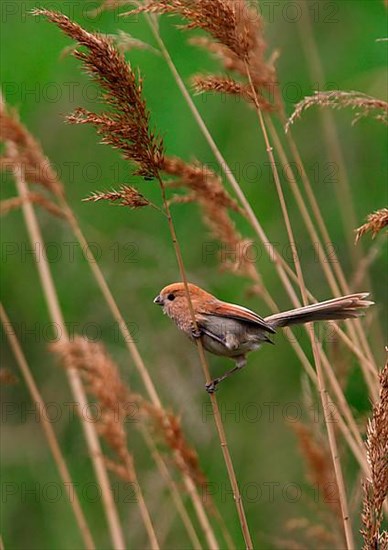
137,259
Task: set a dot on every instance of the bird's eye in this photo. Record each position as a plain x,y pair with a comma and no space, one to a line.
171,297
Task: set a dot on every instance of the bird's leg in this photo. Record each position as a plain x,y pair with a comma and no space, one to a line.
240,363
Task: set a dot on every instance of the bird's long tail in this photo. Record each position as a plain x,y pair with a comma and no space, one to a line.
338,308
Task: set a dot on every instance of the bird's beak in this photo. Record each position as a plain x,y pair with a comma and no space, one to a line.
158,300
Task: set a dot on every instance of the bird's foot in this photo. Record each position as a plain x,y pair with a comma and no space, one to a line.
196,333
211,387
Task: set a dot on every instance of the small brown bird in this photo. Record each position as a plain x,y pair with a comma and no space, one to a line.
233,331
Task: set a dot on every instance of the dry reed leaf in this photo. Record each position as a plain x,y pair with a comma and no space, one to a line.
365,105
376,487
374,224
126,126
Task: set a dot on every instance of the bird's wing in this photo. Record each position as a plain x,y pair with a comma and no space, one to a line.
240,313
211,334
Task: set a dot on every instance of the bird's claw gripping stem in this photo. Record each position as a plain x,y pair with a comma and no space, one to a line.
196,333
211,387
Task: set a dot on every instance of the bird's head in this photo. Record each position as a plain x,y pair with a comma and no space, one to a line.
173,298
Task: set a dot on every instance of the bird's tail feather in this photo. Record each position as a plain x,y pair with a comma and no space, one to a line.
337,308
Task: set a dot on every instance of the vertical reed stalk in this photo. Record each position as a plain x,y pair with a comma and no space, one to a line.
333,449
333,144
145,515
334,148
317,358
126,126
345,288
370,380
48,431
252,218
173,489
76,386
144,374
205,367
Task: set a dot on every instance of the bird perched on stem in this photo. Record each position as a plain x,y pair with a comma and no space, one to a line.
233,331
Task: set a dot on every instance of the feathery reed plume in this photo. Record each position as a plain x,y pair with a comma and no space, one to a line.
55,313
125,42
223,19
229,86
7,205
220,84
236,38
36,166
202,181
114,399
104,383
185,456
319,472
125,196
375,222
366,106
126,126
319,465
376,487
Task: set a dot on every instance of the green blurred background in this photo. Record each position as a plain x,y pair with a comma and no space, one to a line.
137,259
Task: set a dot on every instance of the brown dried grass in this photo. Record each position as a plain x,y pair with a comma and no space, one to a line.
319,470
236,38
126,126
375,223
125,196
14,203
376,487
103,382
364,105
116,403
